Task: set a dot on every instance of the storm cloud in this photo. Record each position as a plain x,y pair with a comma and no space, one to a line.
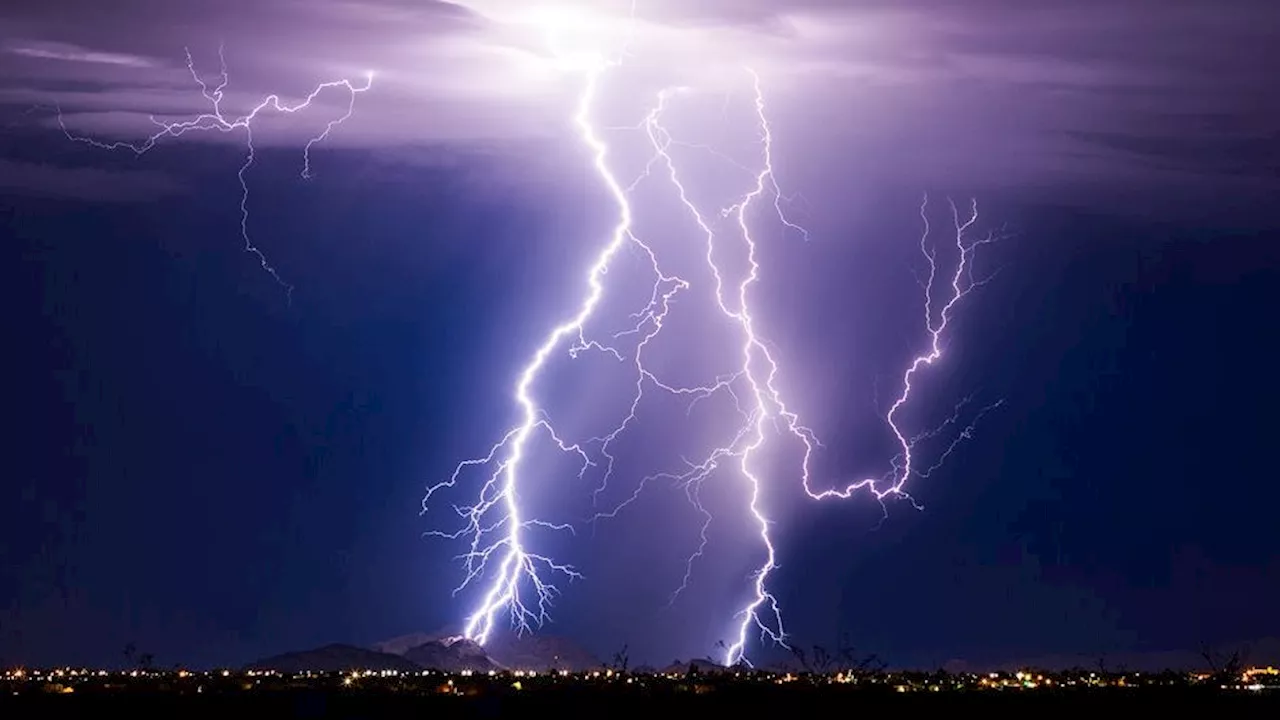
984,93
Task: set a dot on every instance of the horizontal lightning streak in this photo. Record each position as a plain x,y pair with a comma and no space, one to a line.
217,119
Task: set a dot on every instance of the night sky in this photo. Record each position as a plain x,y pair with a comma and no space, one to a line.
201,467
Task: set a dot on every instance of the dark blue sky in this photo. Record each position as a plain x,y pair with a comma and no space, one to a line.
198,467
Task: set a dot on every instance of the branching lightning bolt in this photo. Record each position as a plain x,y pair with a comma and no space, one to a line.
496,527
936,320
495,524
216,119
759,369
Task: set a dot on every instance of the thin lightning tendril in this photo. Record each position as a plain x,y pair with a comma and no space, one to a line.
936,321
216,119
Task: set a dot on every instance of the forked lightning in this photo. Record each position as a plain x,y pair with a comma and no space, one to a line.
519,580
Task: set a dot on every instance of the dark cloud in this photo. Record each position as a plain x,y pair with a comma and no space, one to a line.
83,183
1257,157
989,91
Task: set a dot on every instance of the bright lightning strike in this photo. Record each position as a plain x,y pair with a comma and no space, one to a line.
217,119
498,510
759,369
497,529
495,524
519,579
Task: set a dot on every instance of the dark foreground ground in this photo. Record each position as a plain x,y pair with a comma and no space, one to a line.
778,702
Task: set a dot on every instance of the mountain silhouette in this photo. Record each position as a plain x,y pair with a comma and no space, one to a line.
543,653
334,658
452,654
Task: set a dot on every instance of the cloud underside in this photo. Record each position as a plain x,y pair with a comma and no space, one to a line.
1171,86
83,183
67,52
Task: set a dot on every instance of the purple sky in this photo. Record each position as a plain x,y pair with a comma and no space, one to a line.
1154,107
986,95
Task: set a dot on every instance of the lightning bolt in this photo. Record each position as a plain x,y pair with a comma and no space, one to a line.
495,524
496,527
217,119
936,320
759,369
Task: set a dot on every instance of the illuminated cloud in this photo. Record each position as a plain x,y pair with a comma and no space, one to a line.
75,53
988,93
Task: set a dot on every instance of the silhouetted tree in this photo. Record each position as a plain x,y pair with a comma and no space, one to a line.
130,651
816,659
720,645
856,662
621,659
819,660
1226,667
